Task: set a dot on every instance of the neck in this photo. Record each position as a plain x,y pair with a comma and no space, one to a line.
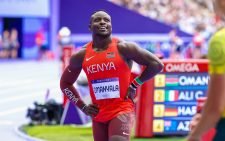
101,42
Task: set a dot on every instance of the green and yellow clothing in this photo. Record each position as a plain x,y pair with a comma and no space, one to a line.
216,55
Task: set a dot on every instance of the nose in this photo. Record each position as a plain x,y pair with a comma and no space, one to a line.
102,22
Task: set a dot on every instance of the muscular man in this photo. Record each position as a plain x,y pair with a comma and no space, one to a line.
107,63
213,114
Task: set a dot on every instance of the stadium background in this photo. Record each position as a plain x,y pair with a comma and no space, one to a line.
171,29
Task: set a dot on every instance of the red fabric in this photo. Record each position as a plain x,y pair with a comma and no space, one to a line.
208,136
40,38
109,108
119,126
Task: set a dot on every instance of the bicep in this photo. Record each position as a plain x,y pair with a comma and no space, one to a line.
72,71
69,75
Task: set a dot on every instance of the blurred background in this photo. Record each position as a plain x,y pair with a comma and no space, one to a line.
37,38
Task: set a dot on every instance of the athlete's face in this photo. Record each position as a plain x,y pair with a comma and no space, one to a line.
100,24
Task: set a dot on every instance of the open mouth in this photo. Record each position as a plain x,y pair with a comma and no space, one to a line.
102,28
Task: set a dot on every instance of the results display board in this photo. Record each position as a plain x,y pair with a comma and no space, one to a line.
175,92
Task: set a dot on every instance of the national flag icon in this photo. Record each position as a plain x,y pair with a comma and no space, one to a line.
171,112
167,123
172,80
110,55
170,125
171,95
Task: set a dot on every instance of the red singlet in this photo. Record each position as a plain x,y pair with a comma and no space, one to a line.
108,79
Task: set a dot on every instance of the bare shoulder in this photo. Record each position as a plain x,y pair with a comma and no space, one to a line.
122,44
77,58
127,48
132,51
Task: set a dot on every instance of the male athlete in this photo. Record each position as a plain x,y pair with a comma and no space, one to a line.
107,63
213,114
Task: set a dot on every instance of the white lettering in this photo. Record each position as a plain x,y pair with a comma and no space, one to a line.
93,67
70,95
183,126
191,80
183,67
190,95
89,69
186,111
106,66
112,65
100,67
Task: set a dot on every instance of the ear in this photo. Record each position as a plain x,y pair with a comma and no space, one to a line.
89,27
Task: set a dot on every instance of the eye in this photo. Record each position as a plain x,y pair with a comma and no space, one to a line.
106,19
97,19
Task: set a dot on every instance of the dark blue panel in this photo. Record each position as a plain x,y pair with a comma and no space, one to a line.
76,14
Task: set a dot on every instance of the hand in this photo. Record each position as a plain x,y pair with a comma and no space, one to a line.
91,110
131,92
195,121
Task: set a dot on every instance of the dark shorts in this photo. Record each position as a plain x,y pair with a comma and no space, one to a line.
220,131
119,128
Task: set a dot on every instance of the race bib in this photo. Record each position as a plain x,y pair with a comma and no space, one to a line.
106,88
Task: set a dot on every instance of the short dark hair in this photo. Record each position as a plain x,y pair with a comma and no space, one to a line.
100,10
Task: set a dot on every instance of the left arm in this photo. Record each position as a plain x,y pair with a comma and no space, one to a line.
132,51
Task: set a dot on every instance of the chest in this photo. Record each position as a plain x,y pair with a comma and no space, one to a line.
102,62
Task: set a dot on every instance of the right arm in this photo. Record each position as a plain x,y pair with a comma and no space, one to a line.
67,80
69,76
